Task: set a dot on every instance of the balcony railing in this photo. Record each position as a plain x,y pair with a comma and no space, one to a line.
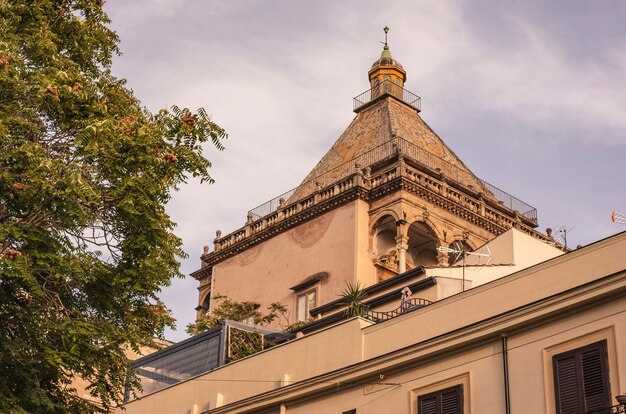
382,152
199,354
387,88
408,306
616,409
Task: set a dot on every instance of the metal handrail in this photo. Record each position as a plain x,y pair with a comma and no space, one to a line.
387,88
616,409
411,151
408,306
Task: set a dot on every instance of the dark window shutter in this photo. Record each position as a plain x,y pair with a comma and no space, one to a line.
581,379
428,405
448,401
595,379
566,385
451,401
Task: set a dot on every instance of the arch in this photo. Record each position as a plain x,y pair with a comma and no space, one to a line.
384,235
423,243
205,303
375,219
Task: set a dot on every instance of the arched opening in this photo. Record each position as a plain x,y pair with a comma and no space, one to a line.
205,305
384,237
422,245
461,246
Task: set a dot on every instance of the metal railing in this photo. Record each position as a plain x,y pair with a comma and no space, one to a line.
271,206
384,151
201,353
616,409
387,88
365,159
511,202
409,306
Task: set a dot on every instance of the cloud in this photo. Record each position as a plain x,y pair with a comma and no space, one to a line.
529,100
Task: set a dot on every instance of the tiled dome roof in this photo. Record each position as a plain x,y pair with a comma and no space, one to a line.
386,59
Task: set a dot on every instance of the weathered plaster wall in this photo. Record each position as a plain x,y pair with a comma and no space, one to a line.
266,272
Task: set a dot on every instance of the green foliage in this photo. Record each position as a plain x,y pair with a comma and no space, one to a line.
299,324
236,311
352,297
85,173
244,343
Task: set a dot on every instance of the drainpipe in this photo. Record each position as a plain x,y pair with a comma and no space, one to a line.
505,365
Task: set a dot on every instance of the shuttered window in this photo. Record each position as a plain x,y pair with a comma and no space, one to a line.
581,379
448,401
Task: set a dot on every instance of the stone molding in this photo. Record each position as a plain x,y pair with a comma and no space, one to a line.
399,173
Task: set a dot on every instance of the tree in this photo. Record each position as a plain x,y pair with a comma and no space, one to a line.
85,173
228,308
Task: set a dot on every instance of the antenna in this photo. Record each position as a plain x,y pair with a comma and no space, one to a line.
562,238
464,253
386,30
617,217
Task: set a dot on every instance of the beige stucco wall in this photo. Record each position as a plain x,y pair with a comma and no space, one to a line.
510,252
480,369
323,351
365,270
568,302
266,272
477,365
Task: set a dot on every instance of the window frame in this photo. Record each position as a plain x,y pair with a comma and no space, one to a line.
577,355
307,307
563,343
462,379
458,389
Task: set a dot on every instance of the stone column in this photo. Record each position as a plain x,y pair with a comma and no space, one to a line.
402,245
402,242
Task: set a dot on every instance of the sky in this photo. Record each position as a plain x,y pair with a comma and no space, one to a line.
530,95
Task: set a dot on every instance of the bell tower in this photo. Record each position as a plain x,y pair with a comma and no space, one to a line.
388,197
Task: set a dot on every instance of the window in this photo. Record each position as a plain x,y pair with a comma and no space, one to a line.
306,302
447,401
581,379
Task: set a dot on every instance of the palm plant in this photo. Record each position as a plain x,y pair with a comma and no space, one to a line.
353,296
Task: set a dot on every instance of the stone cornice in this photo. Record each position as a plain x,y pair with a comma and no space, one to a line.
281,225
393,175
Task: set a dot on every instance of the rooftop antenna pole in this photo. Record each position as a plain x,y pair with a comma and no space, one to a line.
465,253
464,256
563,230
386,29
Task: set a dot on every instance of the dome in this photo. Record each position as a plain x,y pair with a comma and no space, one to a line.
386,59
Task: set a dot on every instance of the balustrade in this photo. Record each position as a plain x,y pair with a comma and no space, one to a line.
277,209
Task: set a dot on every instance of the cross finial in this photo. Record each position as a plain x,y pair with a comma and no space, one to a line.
386,29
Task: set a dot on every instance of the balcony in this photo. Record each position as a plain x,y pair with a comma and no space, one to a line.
616,409
199,354
384,89
385,151
407,306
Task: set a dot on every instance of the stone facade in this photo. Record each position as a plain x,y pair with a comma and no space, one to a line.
388,197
